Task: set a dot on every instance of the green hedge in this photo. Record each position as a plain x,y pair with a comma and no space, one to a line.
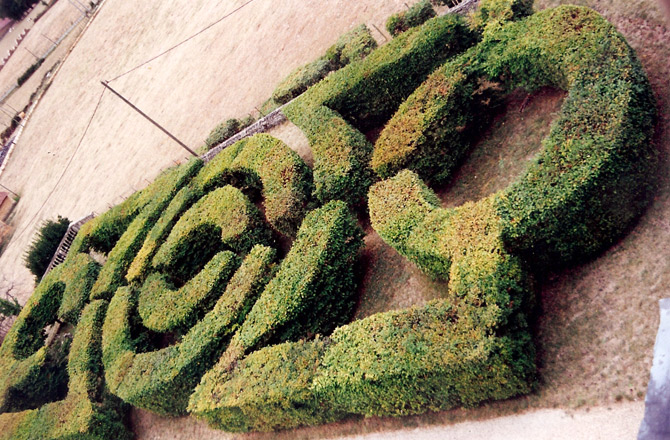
164,308
352,46
25,379
87,413
227,129
422,359
79,273
162,380
121,256
312,291
593,177
266,164
223,219
341,153
268,390
493,14
365,94
418,14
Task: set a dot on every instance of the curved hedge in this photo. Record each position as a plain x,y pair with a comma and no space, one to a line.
162,380
223,218
311,292
87,412
600,143
351,46
366,93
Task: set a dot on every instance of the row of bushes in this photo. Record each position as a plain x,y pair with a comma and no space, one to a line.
227,129
352,46
311,293
365,93
163,380
418,14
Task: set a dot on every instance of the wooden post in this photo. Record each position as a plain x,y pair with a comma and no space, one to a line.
160,127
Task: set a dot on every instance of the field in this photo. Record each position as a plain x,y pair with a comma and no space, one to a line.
598,320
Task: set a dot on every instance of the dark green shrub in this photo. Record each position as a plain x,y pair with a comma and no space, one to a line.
418,14
227,129
87,412
44,245
313,289
15,9
162,380
164,308
352,46
268,390
9,307
25,76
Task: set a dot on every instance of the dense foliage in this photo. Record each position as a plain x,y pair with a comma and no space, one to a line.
416,15
44,245
15,9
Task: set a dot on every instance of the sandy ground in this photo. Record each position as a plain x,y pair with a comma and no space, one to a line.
212,77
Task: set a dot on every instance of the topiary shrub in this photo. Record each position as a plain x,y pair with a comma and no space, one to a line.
556,212
227,129
268,390
44,246
352,46
162,380
311,292
87,412
418,14
366,93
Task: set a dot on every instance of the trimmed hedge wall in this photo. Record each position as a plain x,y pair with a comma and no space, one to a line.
268,390
421,359
418,14
121,256
365,94
87,412
352,46
162,380
266,164
224,218
311,293
163,308
593,176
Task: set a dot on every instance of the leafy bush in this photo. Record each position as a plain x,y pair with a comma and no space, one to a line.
121,256
301,79
164,308
227,129
224,218
87,412
162,380
15,9
44,245
600,143
312,291
366,93
421,359
268,390
418,14
264,164
492,14
352,46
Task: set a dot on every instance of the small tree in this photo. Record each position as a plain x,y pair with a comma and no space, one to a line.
15,9
43,247
9,307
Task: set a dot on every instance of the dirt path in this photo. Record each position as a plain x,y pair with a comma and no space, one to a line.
212,77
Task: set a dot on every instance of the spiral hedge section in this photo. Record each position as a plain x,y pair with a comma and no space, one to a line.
206,317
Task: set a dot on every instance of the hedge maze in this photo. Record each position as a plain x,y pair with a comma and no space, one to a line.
229,286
